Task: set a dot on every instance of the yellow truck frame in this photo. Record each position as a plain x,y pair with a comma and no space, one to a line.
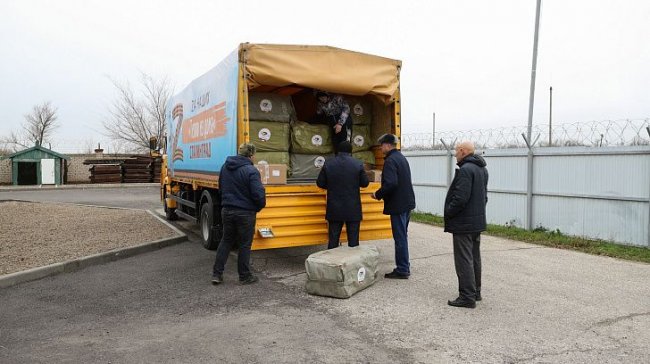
295,213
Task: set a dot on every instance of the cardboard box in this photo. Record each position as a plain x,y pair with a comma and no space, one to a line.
374,175
273,174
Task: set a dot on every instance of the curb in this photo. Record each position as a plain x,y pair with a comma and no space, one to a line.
73,265
78,186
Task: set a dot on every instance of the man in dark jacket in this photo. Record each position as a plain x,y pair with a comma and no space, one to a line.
465,219
242,196
342,176
399,199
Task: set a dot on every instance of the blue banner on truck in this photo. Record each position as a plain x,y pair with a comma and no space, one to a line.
202,123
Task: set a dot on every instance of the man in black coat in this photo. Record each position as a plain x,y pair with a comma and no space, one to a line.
342,176
465,219
399,199
242,196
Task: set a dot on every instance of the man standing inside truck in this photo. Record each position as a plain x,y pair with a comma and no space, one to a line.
242,196
399,200
342,177
336,111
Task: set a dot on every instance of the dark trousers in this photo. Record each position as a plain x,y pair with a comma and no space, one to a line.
400,224
238,226
334,231
467,259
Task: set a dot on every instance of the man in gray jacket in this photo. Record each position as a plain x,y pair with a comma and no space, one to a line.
465,219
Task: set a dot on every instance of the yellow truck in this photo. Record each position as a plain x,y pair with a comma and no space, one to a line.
212,116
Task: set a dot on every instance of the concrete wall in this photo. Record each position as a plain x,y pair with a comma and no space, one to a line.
5,171
77,171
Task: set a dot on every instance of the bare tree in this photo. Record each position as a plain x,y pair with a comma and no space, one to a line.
37,129
136,117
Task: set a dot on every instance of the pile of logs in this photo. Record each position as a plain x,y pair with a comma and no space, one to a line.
106,173
156,166
137,169
133,169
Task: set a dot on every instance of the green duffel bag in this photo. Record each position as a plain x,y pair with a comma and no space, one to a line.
367,157
307,166
311,138
273,158
270,107
270,136
360,110
360,138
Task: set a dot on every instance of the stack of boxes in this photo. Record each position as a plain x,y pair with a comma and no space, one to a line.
311,144
270,116
288,147
361,111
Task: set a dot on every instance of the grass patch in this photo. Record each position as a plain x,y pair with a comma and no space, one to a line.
554,239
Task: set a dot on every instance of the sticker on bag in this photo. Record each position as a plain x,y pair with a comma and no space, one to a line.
266,105
319,162
357,109
264,134
317,140
361,274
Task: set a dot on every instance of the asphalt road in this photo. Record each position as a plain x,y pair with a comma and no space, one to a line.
539,305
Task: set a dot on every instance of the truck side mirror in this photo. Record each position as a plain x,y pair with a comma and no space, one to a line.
153,143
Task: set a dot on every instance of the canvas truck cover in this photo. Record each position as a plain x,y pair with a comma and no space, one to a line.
202,123
320,67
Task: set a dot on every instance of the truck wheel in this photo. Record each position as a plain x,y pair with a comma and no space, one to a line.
206,221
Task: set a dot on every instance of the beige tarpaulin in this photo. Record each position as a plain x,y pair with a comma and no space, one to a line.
320,67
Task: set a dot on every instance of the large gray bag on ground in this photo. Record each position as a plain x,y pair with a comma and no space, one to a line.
270,107
343,271
307,166
270,136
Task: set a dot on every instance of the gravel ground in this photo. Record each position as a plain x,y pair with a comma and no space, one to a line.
38,234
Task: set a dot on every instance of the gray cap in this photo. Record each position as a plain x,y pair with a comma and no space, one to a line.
388,139
246,150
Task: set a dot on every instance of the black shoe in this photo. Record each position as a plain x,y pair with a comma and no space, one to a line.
396,275
458,302
478,296
249,280
217,279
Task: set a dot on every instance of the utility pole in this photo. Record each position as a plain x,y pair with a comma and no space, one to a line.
433,139
529,139
550,117
531,100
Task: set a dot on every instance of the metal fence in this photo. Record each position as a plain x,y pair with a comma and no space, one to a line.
600,193
627,132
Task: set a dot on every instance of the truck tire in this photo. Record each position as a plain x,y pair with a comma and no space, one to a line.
208,230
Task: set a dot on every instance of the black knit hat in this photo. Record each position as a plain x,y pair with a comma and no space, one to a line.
345,147
388,139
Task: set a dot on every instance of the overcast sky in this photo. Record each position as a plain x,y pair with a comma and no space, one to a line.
467,61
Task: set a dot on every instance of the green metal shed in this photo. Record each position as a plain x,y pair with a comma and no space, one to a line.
37,166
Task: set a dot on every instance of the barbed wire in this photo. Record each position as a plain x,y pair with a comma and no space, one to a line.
593,134
605,133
